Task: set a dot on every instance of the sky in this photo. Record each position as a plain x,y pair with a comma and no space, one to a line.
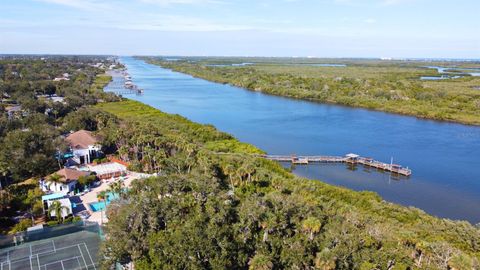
292,28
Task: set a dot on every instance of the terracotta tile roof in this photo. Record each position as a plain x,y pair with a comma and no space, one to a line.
81,139
69,175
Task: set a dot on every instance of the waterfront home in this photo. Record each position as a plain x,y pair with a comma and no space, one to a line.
62,181
84,145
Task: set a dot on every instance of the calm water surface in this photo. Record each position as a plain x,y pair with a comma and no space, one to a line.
444,157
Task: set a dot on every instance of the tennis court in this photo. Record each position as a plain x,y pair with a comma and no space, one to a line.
77,250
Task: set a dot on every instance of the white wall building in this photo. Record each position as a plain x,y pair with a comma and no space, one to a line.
67,182
84,145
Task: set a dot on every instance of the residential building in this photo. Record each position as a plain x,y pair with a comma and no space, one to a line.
66,183
84,145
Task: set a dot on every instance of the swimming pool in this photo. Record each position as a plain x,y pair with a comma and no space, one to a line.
99,206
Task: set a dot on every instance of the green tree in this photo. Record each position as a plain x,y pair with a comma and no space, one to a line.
58,209
21,226
103,197
311,225
56,179
260,262
86,180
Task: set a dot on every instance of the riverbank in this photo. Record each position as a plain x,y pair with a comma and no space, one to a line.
376,231
285,126
400,92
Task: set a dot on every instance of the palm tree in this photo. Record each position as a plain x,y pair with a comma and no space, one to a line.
260,262
57,208
103,196
230,170
117,188
249,168
5,198
268,223
312,225
56,179
3,172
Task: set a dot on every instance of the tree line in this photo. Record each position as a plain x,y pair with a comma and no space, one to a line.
218,205
393,90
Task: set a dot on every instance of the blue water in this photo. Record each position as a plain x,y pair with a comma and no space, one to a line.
99,206
327,65
436,78
475,72
444,157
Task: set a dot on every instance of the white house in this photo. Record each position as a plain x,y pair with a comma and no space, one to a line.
84,145
66,184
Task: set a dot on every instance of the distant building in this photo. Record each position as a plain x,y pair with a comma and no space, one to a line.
68,180
65,77
53,98
13,111
84,145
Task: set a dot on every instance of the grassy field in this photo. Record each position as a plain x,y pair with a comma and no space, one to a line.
100,82
391,86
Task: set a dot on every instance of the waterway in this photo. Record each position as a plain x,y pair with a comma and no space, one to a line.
444,157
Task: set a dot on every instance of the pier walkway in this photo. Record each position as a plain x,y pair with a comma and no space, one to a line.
350,159
122,84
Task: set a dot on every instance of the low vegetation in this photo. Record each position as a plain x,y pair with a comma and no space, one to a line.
217,205
391,86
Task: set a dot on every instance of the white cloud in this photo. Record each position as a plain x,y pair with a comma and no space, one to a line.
370,20
177,24
173,2
80,4
394,2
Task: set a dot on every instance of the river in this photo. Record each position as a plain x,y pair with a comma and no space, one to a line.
444,157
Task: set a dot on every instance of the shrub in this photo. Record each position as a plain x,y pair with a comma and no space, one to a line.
22,226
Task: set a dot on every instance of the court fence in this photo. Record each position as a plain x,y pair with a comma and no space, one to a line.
49,232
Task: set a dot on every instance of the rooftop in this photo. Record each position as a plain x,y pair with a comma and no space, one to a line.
52,196
81,139
68,175
107,168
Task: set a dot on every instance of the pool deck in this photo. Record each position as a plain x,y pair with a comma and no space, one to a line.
91,196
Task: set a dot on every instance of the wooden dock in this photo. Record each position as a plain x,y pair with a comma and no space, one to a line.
122,84
350,159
